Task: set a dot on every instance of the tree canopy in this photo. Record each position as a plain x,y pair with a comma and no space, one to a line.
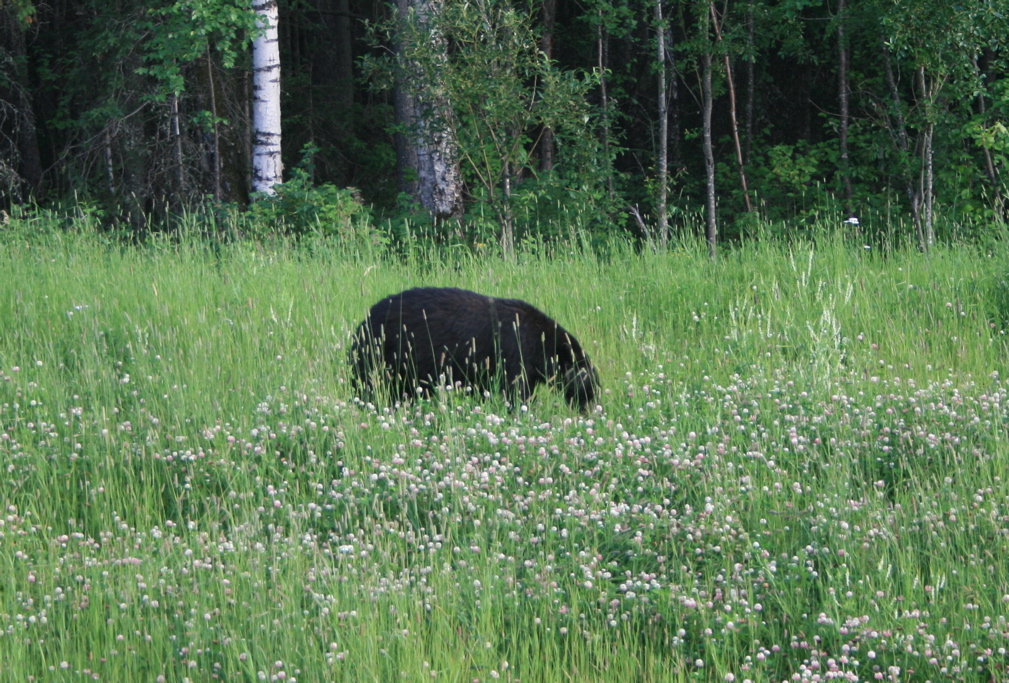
883,107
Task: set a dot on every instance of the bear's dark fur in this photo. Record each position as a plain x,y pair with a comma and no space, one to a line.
428,337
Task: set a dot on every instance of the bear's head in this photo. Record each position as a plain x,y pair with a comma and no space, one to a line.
580,383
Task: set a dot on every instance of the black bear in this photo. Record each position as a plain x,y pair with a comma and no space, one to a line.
428,337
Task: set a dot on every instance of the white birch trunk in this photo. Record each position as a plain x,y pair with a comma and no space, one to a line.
427,148
711,233
267,167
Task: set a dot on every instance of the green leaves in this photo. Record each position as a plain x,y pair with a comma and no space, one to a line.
24,11
503,92
185,30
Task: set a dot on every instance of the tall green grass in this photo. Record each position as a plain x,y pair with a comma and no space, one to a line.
796,470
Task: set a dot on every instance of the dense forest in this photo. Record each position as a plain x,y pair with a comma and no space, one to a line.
504,117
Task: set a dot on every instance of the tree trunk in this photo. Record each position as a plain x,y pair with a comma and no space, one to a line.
427,155
663,164
711,233
110,177
215,171
236,159
16,89
735,136
177,158
407,165
506,217
928,186
267,166
989,163
750,84
548,17
927,98
732,108
903,144
675,129
842,96
602,51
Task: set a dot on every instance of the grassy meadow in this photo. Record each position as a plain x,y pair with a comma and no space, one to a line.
797,470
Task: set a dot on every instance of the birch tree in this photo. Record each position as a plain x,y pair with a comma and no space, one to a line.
711,215
426,150
267,167
941,43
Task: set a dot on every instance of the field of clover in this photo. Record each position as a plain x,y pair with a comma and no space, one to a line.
796,472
